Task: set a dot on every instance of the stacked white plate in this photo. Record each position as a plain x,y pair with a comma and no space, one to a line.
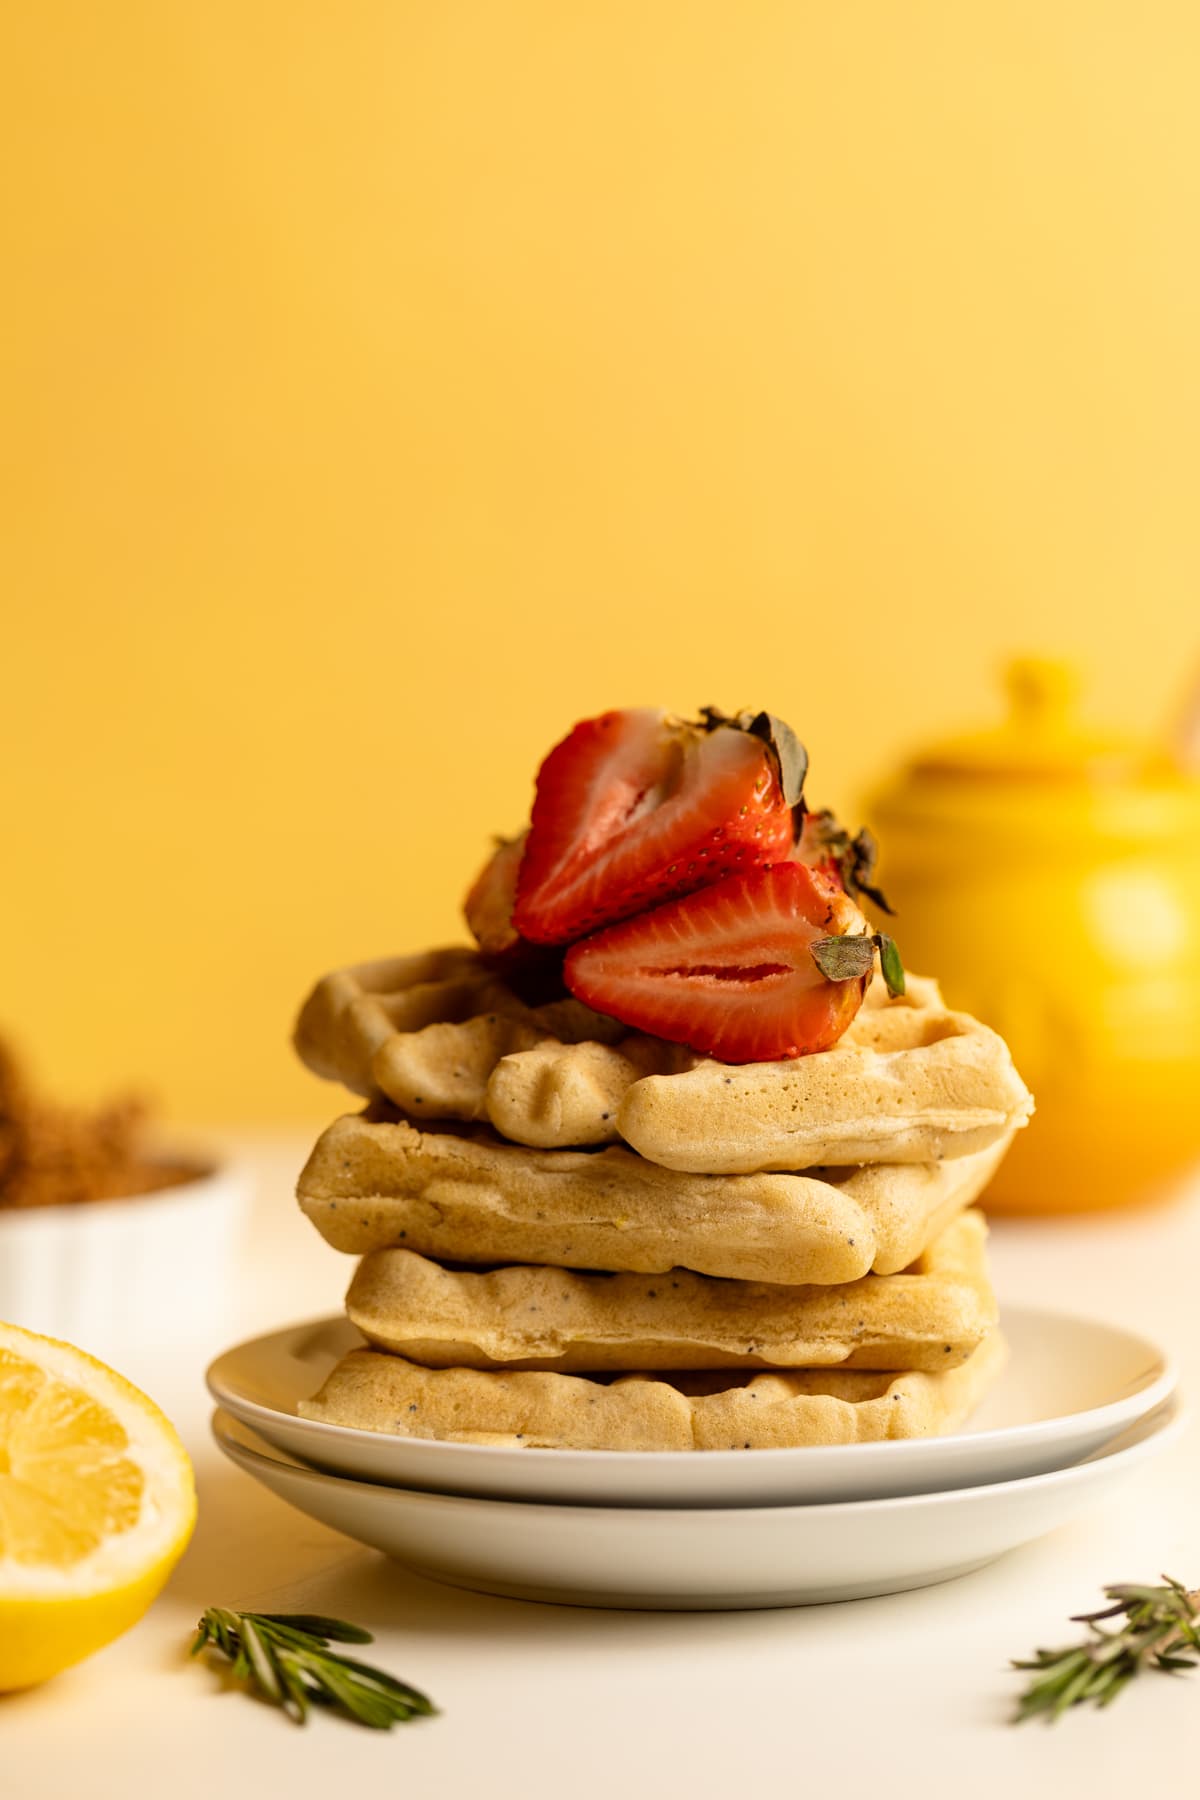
1080,1407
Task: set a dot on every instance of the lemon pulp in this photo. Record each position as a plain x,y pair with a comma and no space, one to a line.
96,1505
67,1483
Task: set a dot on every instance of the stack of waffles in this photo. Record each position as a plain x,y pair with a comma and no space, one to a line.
573,1235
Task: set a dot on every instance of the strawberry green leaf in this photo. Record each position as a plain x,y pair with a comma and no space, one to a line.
790,755
851,957
712,717
863,854
889,962
853,857
788,751
844,958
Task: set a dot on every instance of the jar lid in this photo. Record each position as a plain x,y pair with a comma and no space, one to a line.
1042,739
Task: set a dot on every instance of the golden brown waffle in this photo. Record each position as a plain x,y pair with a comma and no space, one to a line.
714,1410
351,1014
374,1184
931,1316
910,1081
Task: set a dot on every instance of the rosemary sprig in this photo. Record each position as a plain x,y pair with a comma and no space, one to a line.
1161,1631
285,1658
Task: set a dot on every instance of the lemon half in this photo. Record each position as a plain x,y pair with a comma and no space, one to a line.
97,1504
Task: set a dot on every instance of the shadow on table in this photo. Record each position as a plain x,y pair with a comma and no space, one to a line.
252,1551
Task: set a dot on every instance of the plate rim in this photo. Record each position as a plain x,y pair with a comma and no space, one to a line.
1174,1417
1151,1395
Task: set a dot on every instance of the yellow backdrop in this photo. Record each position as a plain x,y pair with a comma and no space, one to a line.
389,384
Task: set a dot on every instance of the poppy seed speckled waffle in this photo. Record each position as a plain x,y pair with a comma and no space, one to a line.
931,1316
468,1196
351,1014
443,1039
710,1410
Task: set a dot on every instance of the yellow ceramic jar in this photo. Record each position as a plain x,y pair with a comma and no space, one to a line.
1051,879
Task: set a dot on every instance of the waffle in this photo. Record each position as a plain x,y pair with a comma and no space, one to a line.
436,1035
373,1184
913,1083
711,1410
932,1316
351,1014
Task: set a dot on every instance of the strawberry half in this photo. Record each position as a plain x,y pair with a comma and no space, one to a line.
848,861
532,971
636,807
731,970
488,907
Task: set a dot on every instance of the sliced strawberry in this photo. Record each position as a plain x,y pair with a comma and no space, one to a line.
847,861
729,970
533,971
489,904
634,808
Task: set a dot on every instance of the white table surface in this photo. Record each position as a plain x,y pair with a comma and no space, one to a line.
907,1695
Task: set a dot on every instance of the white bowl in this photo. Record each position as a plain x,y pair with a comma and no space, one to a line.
1070,1386
110,1274
715,1557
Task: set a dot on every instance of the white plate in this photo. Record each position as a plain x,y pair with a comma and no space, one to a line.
700,1558
1070,1386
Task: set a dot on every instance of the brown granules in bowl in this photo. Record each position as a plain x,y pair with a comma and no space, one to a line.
55,1155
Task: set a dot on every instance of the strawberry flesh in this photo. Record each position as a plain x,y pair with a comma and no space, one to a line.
634,808
532,971
488,906
729,970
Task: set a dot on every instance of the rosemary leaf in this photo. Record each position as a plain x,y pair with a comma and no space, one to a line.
261,1662
286,1660
317,1625
1161,1630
